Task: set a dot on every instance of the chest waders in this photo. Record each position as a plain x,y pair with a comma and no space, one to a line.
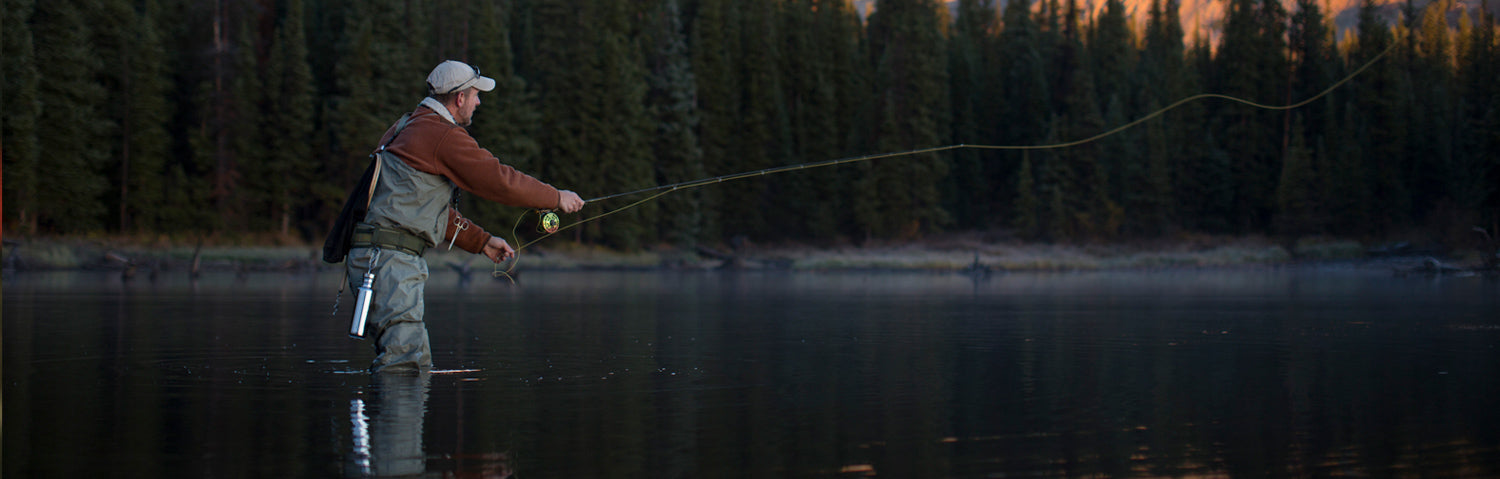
358,233
408,213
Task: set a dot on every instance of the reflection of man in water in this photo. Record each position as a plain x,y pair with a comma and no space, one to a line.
388,434
427,157
388,442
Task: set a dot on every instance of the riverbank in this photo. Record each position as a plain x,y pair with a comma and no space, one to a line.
959,253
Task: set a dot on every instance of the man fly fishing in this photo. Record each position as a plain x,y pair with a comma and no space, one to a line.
425,158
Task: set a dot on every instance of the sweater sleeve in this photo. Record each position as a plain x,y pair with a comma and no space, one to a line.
471,237
478,171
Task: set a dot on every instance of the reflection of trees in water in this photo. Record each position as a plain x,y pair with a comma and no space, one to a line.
1088,390
1060,384
1022,375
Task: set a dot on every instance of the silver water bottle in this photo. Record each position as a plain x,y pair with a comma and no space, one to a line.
362,306
362,299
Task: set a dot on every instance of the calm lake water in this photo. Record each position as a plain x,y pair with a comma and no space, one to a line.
1226,373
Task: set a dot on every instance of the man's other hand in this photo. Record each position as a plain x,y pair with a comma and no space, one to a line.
498,250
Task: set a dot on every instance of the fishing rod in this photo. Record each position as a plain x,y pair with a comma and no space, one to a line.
771,171
550,223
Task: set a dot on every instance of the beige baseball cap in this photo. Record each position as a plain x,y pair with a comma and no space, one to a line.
451,76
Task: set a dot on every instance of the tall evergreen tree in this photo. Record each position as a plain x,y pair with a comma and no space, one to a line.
112,39
840,33
19,80
289,122
134,77
189,173
900,198
1026,111
1148,195
674,144
328,23
972,78
146,130
1057,183
762,127
1252,64
1478,157
245,205
1112,53
817,48
803,203
1381,131
1344,192
1310,40
1163,57
1113,58
1084,209
1297,203
1205,185
1165,77
1431,148
622,148
1313,62
213,108
69,196
715,50
1027,216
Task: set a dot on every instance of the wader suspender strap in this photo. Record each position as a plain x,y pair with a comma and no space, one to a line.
400,125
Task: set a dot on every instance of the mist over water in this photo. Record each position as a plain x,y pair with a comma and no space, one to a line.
1274,372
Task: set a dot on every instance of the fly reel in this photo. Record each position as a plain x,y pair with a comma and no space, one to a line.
549,222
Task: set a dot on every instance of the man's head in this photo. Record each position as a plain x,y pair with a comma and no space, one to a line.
457,85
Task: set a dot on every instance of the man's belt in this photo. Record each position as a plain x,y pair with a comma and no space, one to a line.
367,235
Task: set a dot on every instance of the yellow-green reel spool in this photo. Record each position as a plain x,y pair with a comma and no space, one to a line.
550,222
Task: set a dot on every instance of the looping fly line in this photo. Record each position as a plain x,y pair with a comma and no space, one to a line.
664,189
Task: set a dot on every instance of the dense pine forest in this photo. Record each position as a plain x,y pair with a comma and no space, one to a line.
252,118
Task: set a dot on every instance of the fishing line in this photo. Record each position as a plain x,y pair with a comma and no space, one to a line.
550,218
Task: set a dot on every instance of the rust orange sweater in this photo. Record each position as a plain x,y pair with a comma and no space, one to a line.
432,144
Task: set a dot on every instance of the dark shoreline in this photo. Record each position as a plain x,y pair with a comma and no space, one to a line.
959,255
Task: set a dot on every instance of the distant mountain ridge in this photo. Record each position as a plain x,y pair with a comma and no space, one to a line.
1206,16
